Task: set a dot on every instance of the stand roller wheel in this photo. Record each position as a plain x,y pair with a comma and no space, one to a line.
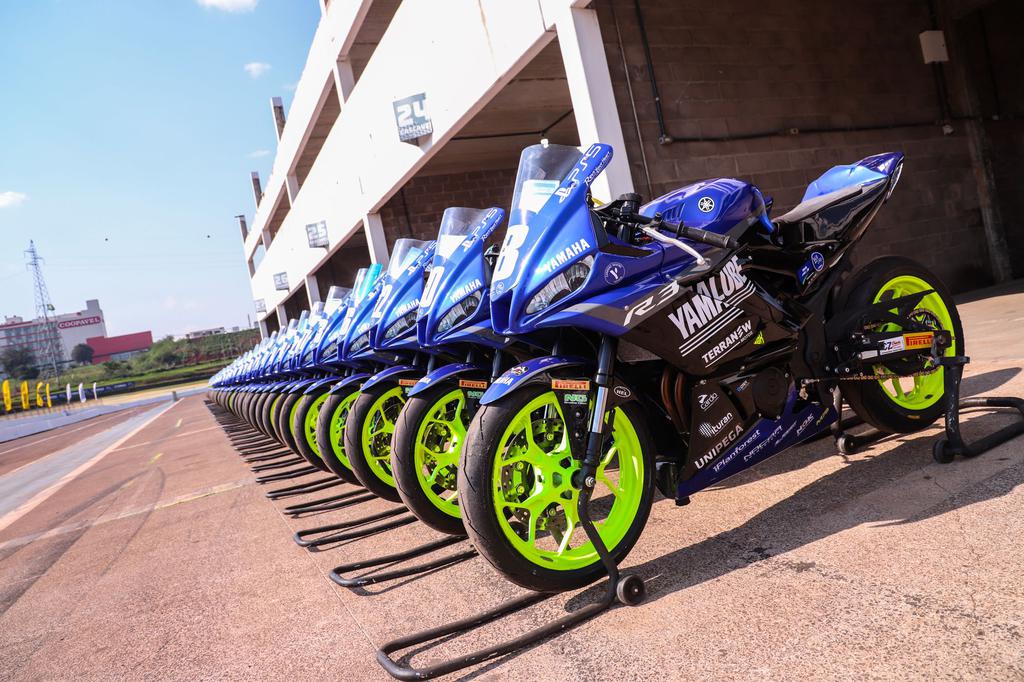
847,444
630,590
942,453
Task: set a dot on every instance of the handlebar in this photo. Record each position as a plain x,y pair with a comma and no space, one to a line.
721,241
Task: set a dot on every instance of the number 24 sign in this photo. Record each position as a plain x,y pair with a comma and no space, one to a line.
412,118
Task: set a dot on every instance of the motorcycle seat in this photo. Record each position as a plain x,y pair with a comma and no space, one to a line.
806,209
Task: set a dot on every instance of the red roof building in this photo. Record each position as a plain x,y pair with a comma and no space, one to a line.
119,347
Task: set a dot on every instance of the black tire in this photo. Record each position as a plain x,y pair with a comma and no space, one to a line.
282,423
357,454
478,509
299,427
403,461
328,448
867,398
259,412
269,416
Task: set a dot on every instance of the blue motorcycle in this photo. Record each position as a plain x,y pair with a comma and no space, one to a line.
454,324
714,338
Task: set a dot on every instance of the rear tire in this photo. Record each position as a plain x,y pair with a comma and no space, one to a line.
283,415
888,405
368,438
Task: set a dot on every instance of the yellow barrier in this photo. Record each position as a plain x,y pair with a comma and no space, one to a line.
49,403
39,394
25,402
8,402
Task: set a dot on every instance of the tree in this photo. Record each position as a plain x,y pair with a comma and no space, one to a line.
19,363
82,354
113,369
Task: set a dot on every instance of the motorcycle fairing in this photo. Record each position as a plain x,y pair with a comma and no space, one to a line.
528,372
443,373
399,306
800,421
459,272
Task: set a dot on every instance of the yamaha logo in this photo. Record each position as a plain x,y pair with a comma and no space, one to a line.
706,204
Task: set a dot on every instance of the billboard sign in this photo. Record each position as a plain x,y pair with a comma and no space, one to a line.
80,322
281,281
316,233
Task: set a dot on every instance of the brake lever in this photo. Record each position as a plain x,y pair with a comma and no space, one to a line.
665,239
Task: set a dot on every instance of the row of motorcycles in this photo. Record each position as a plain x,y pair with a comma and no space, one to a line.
534,396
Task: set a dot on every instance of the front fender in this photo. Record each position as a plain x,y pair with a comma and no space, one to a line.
317,384
527,373
299,385
348,381
391,374
442,373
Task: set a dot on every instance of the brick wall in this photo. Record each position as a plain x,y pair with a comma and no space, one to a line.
427,197
746,68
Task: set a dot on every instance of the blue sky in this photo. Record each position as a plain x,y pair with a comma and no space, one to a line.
128,129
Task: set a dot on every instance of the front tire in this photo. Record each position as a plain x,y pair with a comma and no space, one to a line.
330,432
368,438
304,427
425,451
518,500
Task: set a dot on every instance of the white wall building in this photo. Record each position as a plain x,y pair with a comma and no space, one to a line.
484,77
73,328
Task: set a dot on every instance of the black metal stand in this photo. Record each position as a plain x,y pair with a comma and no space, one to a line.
341,532
628,589
946,449
331,503
278,465
398,557
304,488
287,475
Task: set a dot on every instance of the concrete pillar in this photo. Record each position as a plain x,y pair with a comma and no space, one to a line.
593,99
277,108
243,226
291,185
344,79
376,244
312,290
257,188
282,317
264,333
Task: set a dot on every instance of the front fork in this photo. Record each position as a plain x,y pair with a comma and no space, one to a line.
595,444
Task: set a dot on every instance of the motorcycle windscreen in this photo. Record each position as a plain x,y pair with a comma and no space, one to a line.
405,252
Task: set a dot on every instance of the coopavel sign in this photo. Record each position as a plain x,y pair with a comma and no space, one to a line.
80,322
412,118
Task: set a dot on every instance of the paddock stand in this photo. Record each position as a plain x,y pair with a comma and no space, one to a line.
627,589
314,539
946,449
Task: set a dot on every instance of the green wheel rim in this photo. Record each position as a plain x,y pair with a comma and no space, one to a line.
273,411
377,429
436,451
534,497
336,430
921,392
309,424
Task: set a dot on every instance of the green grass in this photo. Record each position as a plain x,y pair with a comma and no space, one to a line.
90,373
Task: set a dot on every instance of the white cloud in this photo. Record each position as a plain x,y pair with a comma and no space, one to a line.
259,154
256,69
230,5
8,199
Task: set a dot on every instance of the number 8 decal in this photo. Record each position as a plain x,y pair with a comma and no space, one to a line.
509,254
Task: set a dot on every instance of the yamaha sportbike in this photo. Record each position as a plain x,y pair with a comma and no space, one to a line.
717,337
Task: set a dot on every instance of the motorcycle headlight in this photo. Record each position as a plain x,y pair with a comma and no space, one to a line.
360,343
563,284
403,323
459,312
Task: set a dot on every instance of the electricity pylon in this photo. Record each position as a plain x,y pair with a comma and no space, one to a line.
50,349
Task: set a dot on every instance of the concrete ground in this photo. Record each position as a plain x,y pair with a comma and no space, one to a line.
165,560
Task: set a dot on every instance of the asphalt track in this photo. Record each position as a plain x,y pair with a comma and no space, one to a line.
163,559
